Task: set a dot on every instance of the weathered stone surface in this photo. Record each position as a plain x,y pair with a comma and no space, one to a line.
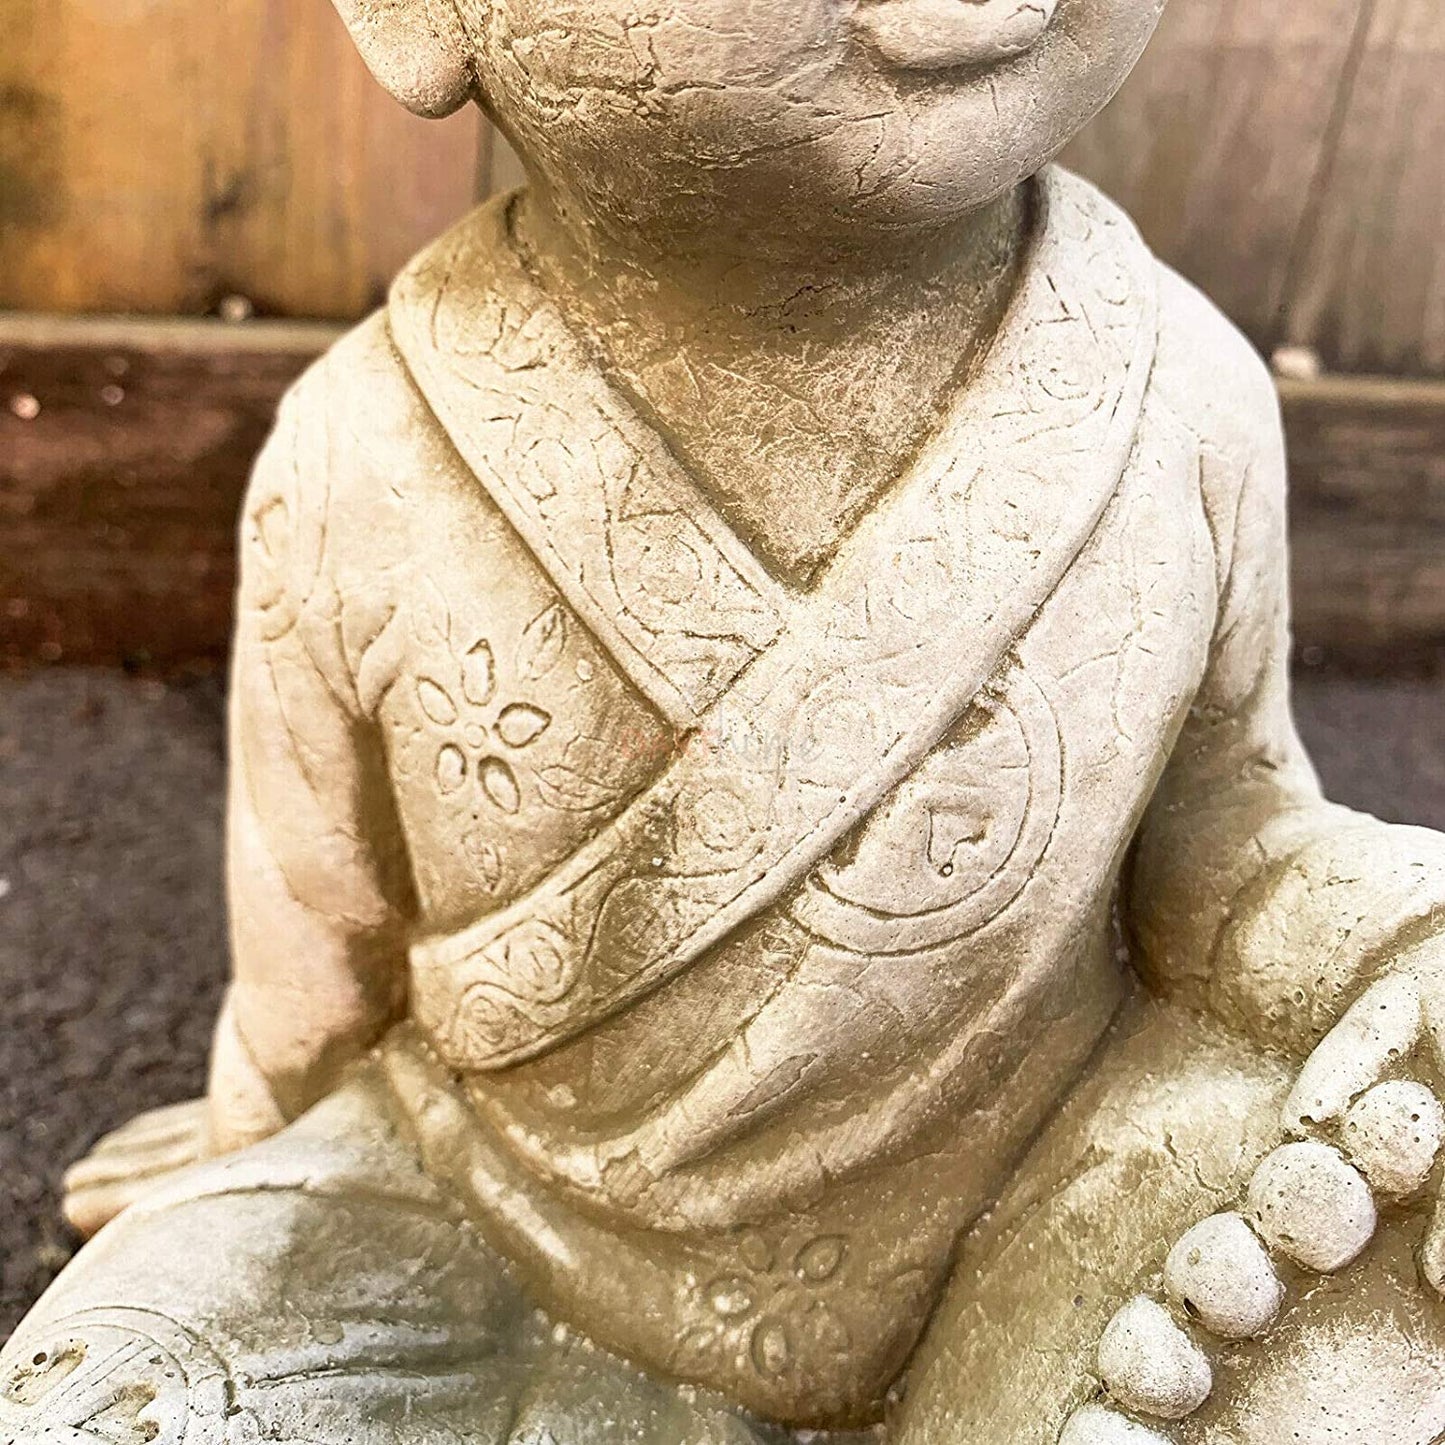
1095,1425
1150,1365
1221,1275
720,663
1394,1133
1312,1206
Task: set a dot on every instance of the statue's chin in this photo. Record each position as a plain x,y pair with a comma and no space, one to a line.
939,34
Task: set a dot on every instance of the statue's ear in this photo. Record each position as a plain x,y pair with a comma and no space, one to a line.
415,48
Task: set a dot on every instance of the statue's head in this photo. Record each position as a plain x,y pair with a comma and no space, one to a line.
836,119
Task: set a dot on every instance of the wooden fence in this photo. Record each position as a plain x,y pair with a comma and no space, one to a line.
1290,157
158,155
161,156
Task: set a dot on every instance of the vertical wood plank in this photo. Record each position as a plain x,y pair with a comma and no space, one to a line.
1370,291
1215,141
156,155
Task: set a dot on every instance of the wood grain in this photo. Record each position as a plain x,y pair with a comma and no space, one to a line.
124,449
118,496
1215,141
1368,292
157,155
1367,468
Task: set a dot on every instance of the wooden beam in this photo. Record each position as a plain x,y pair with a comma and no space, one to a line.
124,448
125,445
1367,515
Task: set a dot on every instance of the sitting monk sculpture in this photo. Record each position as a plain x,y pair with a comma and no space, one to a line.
774,889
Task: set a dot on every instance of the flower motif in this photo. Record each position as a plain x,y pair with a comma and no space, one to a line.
775,1307
471,748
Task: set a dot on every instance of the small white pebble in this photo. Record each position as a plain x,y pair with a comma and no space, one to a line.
25,406
4,888
1220,1274
1296,363
1313,1207
1094,1425
236,309
1150,1365
1393,1133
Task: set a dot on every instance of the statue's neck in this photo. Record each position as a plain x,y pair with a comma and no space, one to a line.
794,389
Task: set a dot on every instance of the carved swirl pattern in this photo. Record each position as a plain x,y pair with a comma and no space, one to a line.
648,566
875,668
956,842
120,1376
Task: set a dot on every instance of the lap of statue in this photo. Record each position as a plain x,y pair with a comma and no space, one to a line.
321,1286
1053,1331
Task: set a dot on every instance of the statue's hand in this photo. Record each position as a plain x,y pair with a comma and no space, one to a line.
1364,1124
1372,1088
132,1160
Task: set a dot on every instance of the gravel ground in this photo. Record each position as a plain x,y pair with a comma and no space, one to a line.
112,935
112,940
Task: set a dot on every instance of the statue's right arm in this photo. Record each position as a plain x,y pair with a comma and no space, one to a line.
318,878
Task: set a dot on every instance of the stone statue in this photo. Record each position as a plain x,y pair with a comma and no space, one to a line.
774,889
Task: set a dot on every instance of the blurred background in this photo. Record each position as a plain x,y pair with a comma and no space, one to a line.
195,195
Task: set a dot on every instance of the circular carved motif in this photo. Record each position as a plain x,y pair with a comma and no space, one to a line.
956,842
119,1376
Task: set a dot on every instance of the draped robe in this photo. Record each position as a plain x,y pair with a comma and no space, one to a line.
754,930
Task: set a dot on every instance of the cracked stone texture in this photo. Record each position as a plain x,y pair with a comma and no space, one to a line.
112,939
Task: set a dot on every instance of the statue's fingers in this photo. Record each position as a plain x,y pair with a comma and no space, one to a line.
1432,1251
98,1171
87,1210
1432,1007
1382,1027
157,1127
99,1187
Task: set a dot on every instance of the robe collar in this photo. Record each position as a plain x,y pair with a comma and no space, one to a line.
816,705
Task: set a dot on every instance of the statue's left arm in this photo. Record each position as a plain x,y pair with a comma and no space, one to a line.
1248,893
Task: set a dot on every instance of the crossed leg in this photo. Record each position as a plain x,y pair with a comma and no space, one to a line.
319,1288
322,1288
1167,1129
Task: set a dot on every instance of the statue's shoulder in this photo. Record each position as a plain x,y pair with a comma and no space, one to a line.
354,413
1212,377
1212,380
349,425
356,417
358,455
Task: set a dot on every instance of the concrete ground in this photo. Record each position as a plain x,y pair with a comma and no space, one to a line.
112,938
